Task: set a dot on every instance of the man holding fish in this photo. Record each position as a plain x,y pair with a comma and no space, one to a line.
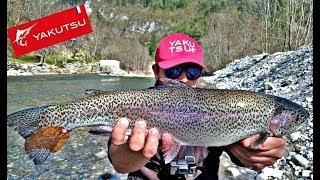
179,57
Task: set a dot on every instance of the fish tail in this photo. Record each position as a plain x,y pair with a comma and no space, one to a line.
40,141
26,122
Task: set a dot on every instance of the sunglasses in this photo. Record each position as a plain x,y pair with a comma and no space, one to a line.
193,71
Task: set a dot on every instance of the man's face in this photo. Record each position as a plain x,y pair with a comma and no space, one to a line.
182,78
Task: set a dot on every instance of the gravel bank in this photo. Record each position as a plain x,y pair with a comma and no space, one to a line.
285,74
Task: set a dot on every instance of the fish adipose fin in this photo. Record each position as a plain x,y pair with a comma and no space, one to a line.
261,139
44,141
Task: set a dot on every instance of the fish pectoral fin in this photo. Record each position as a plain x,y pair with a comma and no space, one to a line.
44,141
105,131
169,155
101,130
261,139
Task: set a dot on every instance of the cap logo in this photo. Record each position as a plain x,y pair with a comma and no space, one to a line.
179,46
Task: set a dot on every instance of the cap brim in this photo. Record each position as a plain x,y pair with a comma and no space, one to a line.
170,63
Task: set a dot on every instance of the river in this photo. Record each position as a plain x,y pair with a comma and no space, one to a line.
76,160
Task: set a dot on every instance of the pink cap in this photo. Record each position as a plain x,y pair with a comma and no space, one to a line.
178,49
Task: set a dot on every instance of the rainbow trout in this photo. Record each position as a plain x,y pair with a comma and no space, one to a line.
193,117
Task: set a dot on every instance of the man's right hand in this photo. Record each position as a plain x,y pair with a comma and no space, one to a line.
130,154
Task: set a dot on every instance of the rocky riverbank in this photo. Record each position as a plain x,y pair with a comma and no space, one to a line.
285,74
29,69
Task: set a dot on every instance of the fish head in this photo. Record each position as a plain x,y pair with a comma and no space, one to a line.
288,117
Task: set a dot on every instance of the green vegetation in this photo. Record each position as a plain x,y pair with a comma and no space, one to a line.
130,30
23,59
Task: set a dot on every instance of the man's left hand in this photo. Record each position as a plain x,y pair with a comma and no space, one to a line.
265,155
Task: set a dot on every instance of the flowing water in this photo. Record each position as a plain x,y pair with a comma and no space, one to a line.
76,160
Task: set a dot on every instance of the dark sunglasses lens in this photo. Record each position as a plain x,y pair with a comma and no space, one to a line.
174,72
194,73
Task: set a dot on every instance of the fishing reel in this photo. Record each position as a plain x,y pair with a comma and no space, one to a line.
177,168
184,166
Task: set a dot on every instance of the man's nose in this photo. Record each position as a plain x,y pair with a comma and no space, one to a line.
183,77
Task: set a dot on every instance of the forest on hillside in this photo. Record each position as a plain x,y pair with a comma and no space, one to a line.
130,30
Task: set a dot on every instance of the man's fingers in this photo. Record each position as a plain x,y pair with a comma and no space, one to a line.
118,136
138,135
270,143
248,141
273,143
166,142
152,142
254,162
274,153
256,159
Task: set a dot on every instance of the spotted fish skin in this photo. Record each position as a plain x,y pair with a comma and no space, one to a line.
193,116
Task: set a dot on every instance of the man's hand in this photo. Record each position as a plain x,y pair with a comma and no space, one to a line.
139,141
130,154
265,155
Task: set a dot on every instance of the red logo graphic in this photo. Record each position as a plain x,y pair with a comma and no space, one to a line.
49,30
21,35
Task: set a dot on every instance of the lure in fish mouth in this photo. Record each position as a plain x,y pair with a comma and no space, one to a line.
192,116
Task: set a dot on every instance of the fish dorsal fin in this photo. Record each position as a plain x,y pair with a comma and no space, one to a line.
92,91
166,82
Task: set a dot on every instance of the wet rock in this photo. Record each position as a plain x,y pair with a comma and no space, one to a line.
101,155
262,176
276,173
295,136
285,83
310,155
309,99
299,160
233,171
10,165
269,86
306,173
105,176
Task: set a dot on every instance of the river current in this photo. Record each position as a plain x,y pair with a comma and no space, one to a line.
77,159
